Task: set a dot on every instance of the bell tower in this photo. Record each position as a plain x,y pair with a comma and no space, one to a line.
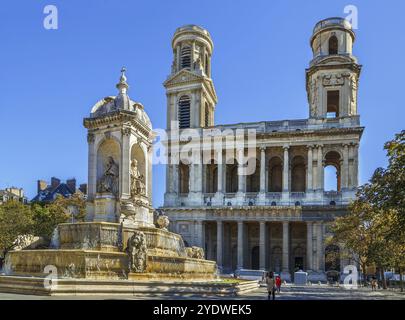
333,74
190,92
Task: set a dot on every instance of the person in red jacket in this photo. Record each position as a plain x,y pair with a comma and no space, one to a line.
278,284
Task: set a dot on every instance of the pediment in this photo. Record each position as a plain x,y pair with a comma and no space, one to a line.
183,76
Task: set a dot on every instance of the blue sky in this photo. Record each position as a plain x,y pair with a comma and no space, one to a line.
49,79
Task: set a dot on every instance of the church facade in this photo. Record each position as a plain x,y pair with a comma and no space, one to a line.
276,216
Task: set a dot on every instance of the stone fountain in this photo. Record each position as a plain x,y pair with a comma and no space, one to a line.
120,239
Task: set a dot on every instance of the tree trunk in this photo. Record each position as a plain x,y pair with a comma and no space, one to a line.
384,283
363,274
401,283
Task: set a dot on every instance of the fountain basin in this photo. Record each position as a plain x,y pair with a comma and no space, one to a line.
88,264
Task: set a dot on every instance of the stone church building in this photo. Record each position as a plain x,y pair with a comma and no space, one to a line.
277,217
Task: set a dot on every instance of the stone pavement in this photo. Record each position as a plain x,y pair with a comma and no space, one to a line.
315,292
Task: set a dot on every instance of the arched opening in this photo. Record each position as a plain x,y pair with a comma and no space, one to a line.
232,178
275,175
332,172
184,112
276,259
184,177
253,180
298,258
255,258
108,167
185,57
211,183
332,109
333,45
298,174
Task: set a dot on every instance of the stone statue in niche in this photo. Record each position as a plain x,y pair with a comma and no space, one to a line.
137,180
198,65
136,249
353,86
109,181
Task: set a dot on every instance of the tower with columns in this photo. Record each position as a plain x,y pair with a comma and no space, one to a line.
190,91
277,216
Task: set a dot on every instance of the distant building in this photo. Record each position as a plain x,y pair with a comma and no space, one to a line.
47,193
13,193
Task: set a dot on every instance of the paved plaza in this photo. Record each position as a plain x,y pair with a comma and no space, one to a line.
315,292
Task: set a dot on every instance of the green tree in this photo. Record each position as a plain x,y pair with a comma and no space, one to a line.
15,220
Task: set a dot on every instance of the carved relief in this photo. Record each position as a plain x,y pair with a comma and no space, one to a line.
126,131
109,181
195,252
314,97
333,80
137,252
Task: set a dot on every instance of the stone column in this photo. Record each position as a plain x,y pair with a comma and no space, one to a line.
219,171
320,247
241,173
240,244
263,169
355,165
220,232
175,181
320,169
262,245
345,169
309,170
92,168
125,163
200,234
210,255
285,267
309,246
286,167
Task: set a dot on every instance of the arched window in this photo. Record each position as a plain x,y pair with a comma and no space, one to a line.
185,57
275,175
184,177
332,171
232,178
184,112
253,180
211,183
333,45
298,174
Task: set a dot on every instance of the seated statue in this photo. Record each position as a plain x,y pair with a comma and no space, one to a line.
109,181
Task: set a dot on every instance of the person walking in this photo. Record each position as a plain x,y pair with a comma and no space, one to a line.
278,284
270,282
